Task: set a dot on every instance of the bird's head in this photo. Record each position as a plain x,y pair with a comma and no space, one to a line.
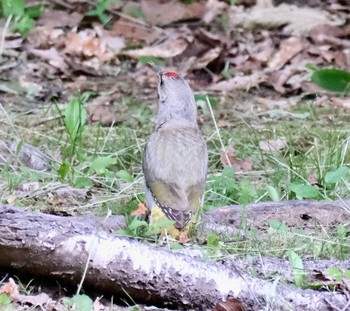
176,99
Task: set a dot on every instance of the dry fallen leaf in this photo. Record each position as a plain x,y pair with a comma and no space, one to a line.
283,103
12,289
273,144
43,37
134,32
214,8
109,39
35,300
54,57
86,44
11,199
141,210
299,20
170,45
288,49
9,288
159,12
239,83
104,110
228,159
183,237
59,19
231,304
343,102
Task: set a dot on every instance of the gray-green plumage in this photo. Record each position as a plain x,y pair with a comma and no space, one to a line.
175,159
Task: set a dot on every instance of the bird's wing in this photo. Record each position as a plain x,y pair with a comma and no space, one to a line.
172,201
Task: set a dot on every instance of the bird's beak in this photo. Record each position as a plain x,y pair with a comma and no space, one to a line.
156,69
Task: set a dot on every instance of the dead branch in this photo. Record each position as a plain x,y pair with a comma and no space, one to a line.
59,247
308,215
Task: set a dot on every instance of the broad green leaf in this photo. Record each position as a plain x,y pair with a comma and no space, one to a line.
35,11
123,232
347,274
122,174
82,303
175,246
12,7
335,273
64,169
4,299
137,224
336,176
163,223
213,240
75,117
228,172
333,80
22,24
298,269
273,193
277,225
303,191
99,165
82,182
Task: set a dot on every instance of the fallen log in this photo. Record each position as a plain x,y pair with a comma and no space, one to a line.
59,247
307,215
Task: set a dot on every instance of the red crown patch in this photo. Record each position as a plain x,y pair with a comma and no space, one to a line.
172,75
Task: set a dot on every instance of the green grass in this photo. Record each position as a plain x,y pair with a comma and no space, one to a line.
312,164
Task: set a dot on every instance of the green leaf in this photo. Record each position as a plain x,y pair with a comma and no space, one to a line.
298,269
22,24
12,7
4,299
102,5
99,165
163,223
279,226
303,191
82,182
35,11
64,170
347,274
228,172
336,176
153,59
213,240
135,224
75,117
312,67
123,232
333,80
201,101
273,193
175,246
334,273
124,175
82,303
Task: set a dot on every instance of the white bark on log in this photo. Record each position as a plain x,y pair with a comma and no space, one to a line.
59,247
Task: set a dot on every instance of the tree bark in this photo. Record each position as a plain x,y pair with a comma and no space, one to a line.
307,215
59,247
